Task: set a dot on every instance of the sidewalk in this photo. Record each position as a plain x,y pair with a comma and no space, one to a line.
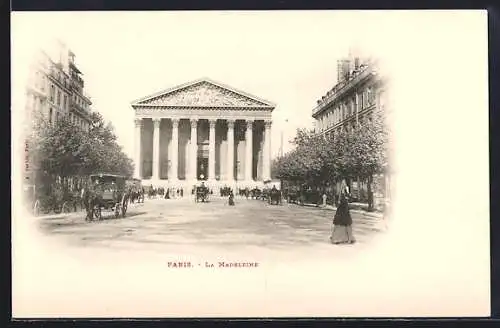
376,215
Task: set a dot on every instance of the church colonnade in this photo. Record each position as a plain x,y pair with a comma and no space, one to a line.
176,149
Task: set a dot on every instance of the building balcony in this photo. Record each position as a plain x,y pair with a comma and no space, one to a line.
80,110
76,84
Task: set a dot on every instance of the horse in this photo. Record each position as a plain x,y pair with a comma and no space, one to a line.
275,197
88,201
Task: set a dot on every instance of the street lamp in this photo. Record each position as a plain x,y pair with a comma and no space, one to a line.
281,145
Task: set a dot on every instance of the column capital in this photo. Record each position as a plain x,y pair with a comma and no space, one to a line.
175,122
268,124
156,122
249,124
138,122
230,123
194,122
212,122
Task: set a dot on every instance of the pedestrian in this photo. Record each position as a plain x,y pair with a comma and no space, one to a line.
167,194
182,192
231,198
342,221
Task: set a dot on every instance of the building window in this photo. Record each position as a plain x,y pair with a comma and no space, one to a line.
371,96
58,97
52,92
50,115
57,116
37,79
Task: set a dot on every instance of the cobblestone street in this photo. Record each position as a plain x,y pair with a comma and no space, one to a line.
162,225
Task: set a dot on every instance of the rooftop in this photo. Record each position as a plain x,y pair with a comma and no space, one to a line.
342,86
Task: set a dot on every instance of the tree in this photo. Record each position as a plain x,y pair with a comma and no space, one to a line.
63,150
103,152
309,162
321,159
58,149
363,152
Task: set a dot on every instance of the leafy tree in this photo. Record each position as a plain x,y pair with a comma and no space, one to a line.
321,160
363,152
63,150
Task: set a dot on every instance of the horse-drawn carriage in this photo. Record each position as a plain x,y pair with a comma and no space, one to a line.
201,194
53,198
274,196
107,192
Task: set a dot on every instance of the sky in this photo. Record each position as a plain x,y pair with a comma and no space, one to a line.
287,58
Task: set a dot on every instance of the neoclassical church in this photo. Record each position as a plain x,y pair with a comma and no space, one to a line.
202,130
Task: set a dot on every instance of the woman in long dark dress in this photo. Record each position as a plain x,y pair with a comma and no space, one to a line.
342,222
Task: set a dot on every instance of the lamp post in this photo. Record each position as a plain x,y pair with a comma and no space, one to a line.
281,144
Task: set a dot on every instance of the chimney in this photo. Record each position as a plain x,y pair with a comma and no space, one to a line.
343,69
64,56
339,70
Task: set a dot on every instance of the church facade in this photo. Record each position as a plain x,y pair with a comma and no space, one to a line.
203,131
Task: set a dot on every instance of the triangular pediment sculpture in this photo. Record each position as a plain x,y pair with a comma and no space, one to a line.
203,93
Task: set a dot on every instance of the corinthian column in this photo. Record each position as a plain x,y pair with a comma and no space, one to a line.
194,148
211,150
230,151
156,148
138,159
174,173
249,151
267,151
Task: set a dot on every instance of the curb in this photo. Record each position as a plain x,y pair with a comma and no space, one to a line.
374,215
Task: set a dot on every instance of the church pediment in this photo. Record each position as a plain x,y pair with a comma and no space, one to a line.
203,93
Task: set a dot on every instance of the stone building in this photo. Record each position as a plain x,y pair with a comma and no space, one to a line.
203,130
54,89
360,91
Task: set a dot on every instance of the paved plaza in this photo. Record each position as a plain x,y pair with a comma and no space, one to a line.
160,224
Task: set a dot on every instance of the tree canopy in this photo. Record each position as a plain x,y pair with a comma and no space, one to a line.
321,159
65,150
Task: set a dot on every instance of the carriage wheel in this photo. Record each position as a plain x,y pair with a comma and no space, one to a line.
124,206
36,208
66,207
88,216
117,210
46,210
57,209
96,212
